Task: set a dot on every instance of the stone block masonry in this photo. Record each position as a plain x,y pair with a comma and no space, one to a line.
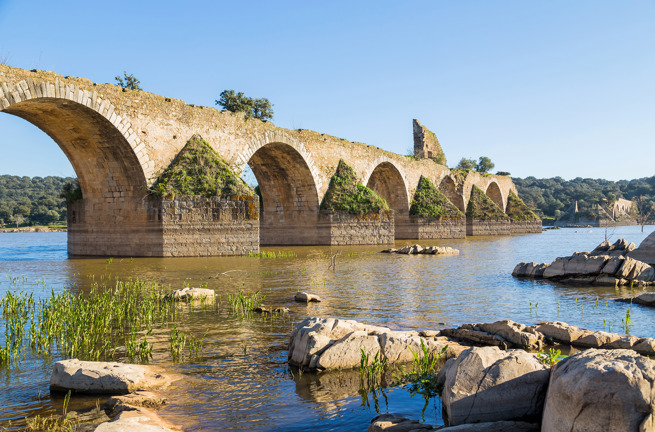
183,226
199,226
525,227
350,229
487,227
427,228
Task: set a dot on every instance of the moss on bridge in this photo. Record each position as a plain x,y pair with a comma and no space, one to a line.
429,202
480,206
517,210
345,193
199,171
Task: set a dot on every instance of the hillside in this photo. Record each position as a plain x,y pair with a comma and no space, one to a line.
32,201
551,197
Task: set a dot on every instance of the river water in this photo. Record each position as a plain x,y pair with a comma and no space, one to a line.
243,383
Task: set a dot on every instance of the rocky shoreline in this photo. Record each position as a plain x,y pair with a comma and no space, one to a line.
489,387
608,264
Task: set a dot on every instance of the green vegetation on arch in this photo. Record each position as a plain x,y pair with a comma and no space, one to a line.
517,210
480,206
346,194
429,202
199,171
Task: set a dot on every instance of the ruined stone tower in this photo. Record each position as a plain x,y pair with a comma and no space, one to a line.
426,144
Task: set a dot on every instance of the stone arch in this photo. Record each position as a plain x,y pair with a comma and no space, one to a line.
290,203
390,184
448,187
267,138
494,193
109,159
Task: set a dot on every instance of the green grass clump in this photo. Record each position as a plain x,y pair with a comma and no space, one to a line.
345,193
517,210
278,254
199,171
429,202
480,206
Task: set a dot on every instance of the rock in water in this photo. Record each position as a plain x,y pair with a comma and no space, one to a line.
396,423
105,377
599,390
188,294
487,385
304,297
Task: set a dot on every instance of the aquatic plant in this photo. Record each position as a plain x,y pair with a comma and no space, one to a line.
178,341
89,327
244,303
550,357
422,379
626,322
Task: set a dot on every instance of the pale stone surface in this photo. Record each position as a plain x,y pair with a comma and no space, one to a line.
600,390
505,334
487,384
105,377
501,426
561,332
645,346
517,334
396,423
597,339
635,270
307,297
329,343
188,294
646,250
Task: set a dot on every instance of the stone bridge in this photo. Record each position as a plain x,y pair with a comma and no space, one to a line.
118,141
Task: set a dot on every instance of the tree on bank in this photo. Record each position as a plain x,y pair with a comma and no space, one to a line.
232,101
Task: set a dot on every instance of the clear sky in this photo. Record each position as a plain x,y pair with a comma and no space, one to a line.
553,88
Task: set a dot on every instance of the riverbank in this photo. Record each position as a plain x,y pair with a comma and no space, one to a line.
38,229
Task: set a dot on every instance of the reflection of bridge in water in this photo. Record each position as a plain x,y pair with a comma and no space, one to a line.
119,141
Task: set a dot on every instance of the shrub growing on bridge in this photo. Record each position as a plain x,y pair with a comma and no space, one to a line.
261,109
480,206
517,210
199,170
345,193
429,202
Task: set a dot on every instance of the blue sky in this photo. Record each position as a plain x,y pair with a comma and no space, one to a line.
558,88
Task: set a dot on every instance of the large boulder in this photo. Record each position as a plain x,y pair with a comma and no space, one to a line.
105,377
600,390
561,332
487,385
504,334
329,343
635,270
646,250
576,265
501,426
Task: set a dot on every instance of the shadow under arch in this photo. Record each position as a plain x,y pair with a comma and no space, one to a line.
494,193
448,187
388,182
111,176
290,204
